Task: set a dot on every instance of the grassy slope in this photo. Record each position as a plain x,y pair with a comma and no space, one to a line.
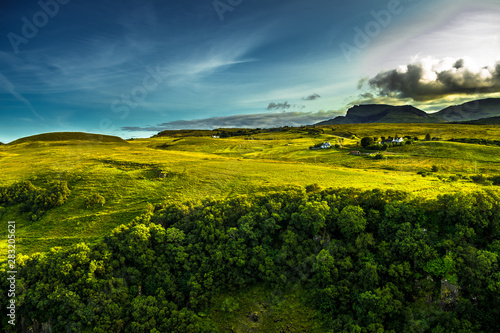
200,167
66,136
262,310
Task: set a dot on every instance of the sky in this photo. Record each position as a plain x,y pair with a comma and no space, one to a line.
132,68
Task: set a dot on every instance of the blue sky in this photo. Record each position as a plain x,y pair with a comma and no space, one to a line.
131,68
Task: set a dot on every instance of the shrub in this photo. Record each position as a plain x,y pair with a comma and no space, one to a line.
366,141
435,168
375,147
229,305
379,156
94,200
313,188
478,178
35,200
495,180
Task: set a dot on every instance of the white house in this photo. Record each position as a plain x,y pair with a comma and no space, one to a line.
326,145
398,140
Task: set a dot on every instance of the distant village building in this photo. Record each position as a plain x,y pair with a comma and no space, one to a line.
324,145
215,137
395,140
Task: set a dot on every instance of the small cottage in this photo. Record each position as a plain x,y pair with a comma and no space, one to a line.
326,145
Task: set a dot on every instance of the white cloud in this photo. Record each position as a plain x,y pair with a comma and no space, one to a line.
438,30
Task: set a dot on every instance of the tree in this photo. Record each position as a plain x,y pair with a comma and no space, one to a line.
94,200
351,221
366,141
428,137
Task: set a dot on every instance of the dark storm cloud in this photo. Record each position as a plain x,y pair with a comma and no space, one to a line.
430,79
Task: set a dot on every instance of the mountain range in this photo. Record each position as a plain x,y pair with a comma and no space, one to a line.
474,112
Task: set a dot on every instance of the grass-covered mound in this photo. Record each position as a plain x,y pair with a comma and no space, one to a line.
69,136
370,261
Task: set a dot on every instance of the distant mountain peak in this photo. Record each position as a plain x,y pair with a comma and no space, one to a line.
472,110
383,113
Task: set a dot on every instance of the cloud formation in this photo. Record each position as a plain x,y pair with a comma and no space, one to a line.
278,106
259,120
311,97
430,78
283,106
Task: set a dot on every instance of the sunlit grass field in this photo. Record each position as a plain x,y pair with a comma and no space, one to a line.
126,174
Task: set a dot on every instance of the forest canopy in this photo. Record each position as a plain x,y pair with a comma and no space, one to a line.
372,261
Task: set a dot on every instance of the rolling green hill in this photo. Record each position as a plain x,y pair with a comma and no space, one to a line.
127,175
222,233
69,136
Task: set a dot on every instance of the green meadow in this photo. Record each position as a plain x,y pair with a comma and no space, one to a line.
126,173
87,188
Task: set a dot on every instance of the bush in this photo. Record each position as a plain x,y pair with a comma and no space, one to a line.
229,305
434,168
313,188
366,141
379,156
495,180
94,200
478,178
35,200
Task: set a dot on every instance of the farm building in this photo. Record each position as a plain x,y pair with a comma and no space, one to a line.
324,145
395,140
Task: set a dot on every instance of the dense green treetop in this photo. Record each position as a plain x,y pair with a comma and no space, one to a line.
372,261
